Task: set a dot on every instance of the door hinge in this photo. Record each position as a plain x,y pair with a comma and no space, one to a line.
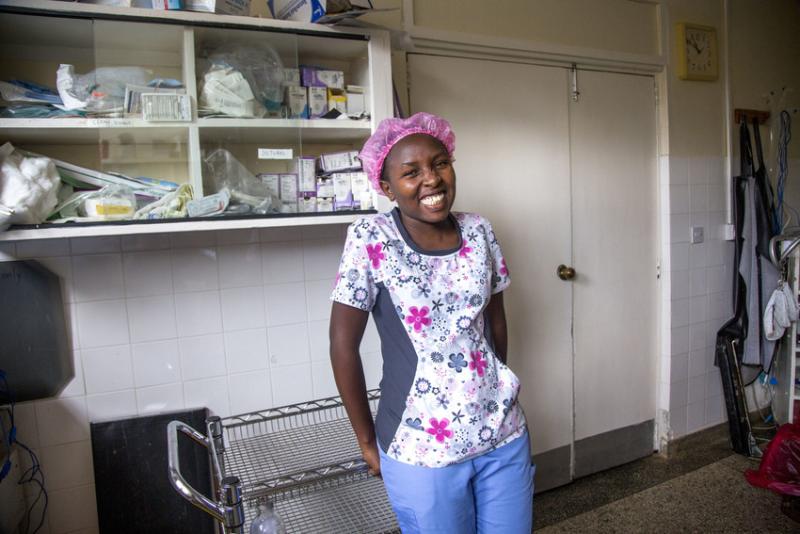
574,93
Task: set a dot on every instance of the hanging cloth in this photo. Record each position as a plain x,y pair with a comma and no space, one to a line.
781,312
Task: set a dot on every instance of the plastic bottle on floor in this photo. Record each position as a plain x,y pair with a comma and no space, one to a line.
267,521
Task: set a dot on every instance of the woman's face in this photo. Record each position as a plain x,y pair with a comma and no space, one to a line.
420,178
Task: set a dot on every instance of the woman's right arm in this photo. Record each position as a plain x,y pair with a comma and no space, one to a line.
346,330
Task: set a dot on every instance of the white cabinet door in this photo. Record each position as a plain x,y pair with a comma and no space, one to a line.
556,177
615,244
512,166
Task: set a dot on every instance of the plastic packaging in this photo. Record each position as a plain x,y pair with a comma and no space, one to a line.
99,91
267,521
171,206
223,171
113,202
256,64
780,466
28,187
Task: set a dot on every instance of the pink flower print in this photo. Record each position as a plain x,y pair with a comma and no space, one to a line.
439,429
464,251
478,363
375,254
503,267
417,317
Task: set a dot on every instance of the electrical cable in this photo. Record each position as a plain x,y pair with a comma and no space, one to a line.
783,167
32,475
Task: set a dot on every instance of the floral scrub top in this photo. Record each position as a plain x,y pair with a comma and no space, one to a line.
445,395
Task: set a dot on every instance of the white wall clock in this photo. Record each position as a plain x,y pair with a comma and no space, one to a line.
697,52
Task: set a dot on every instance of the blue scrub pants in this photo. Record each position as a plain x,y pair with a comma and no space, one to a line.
488,494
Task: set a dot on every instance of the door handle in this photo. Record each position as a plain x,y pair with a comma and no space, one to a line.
565,273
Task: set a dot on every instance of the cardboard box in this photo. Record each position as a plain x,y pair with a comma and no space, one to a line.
317,102
307,204
225,7
339,161
291,77
324,204
356,100
289,191
342,191
273,183
324,187
318,77
297,102
298,10
167,4
337,100
306,175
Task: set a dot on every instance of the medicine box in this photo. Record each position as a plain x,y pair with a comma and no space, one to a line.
273,183
337,100
324,204
339,161
317,102
342,191
307,204
226,7
324,187
356,100
291,77
289,188
317,77
297,102
298,10
306,175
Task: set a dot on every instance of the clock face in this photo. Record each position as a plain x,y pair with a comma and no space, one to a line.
699,58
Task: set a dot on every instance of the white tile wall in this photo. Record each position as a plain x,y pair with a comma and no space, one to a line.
236,321
697,294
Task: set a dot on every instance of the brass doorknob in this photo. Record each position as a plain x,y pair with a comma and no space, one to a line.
565,273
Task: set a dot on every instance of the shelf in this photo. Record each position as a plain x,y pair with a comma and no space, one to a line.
282,130
80,131
67,230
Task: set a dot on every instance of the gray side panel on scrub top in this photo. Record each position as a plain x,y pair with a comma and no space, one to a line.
399,367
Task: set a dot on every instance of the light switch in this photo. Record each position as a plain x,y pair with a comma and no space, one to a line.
697,234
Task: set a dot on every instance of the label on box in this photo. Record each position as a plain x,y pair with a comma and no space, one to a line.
337,100
359,182
288,187
289,207
275,153
317,102
331,78
342,192
272,181
364,201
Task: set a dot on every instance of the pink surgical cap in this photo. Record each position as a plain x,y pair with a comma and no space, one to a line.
390,131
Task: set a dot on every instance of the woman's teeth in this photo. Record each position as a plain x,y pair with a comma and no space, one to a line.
433,200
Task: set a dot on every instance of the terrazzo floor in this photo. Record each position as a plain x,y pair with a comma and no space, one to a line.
698,487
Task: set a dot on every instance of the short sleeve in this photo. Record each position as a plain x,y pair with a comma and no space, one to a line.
355,285
500,277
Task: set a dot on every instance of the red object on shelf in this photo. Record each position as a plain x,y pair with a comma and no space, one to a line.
780,466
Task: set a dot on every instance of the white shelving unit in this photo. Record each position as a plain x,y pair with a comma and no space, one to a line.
786,391
38,35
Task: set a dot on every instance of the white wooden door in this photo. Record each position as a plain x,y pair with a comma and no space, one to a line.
524,155
615,247
512,166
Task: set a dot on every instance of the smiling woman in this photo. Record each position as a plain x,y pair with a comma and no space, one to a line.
449,438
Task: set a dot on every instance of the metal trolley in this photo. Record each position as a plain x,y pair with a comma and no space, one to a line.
303,458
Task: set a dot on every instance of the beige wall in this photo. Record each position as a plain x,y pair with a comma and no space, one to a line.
618,25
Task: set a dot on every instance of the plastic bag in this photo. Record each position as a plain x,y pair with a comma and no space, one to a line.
28,187
171,206
99,91
223,171
258,64
113,202
780,466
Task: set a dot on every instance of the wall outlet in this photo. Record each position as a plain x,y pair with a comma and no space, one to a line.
698,234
